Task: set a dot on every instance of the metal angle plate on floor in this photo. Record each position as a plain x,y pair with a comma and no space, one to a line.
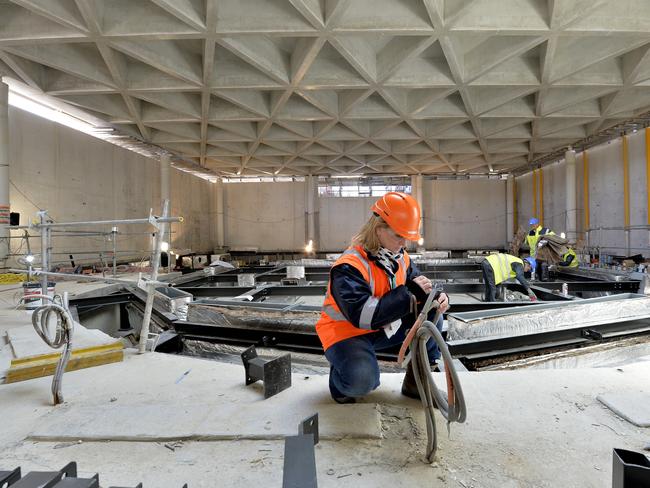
65,478
78,482
630,469
299,462
46,479
310,426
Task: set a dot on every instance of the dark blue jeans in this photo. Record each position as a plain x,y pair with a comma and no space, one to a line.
354,371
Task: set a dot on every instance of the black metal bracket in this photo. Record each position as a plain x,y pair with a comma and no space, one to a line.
65,478
275,373
592,334
299,456
309,426
630,469
45,479
139,485
8,478
78,482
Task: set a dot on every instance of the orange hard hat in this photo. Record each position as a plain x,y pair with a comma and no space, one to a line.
401,212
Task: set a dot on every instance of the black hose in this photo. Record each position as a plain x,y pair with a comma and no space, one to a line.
430,394
62,337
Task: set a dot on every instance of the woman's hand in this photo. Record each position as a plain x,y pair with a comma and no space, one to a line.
426,285
443,300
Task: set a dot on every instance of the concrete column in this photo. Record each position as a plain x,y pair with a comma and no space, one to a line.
571,210
165,179
510,209
165,192
4,173
416,189
310,210
220,211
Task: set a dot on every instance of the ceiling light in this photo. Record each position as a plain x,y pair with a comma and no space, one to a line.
30,100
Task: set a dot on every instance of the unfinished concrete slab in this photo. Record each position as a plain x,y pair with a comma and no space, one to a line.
203,422
633,406
524,428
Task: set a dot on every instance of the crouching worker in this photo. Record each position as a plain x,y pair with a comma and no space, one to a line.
498,268
372,299
569,260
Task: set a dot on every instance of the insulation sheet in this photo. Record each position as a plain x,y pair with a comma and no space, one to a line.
541,318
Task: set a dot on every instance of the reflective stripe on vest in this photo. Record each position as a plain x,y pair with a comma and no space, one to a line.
367,312
366,264
336,315
332,312
333,326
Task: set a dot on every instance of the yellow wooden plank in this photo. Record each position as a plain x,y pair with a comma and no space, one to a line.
56,355
37,369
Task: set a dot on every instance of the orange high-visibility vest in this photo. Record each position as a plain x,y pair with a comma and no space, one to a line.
332,326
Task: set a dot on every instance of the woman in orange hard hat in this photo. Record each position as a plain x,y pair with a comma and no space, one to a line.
372,298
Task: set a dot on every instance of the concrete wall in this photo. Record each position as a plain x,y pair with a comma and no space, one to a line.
606,195
78,177
340,219
466,214
270,216
265,216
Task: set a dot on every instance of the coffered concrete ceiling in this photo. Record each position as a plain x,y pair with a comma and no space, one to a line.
295,87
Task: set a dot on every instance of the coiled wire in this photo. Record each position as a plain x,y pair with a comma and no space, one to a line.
62,337
452,406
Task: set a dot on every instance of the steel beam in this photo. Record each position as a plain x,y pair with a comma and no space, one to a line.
503,346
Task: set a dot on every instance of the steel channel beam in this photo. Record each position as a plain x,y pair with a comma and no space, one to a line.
216,291
423,267
307,342
311,290
574,336
115,299
593,285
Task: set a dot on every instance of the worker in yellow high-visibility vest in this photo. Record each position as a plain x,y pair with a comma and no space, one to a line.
569,260
536,231
500,267
533,239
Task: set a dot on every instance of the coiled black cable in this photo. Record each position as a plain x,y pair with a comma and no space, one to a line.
62,338
452,406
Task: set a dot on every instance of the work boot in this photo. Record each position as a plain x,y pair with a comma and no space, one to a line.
409,386
344,400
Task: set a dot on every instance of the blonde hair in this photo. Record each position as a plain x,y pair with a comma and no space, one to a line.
367,236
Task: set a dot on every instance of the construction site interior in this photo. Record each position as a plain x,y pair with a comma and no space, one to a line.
193,287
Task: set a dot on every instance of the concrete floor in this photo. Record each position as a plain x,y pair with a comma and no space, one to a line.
524,428
146,420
